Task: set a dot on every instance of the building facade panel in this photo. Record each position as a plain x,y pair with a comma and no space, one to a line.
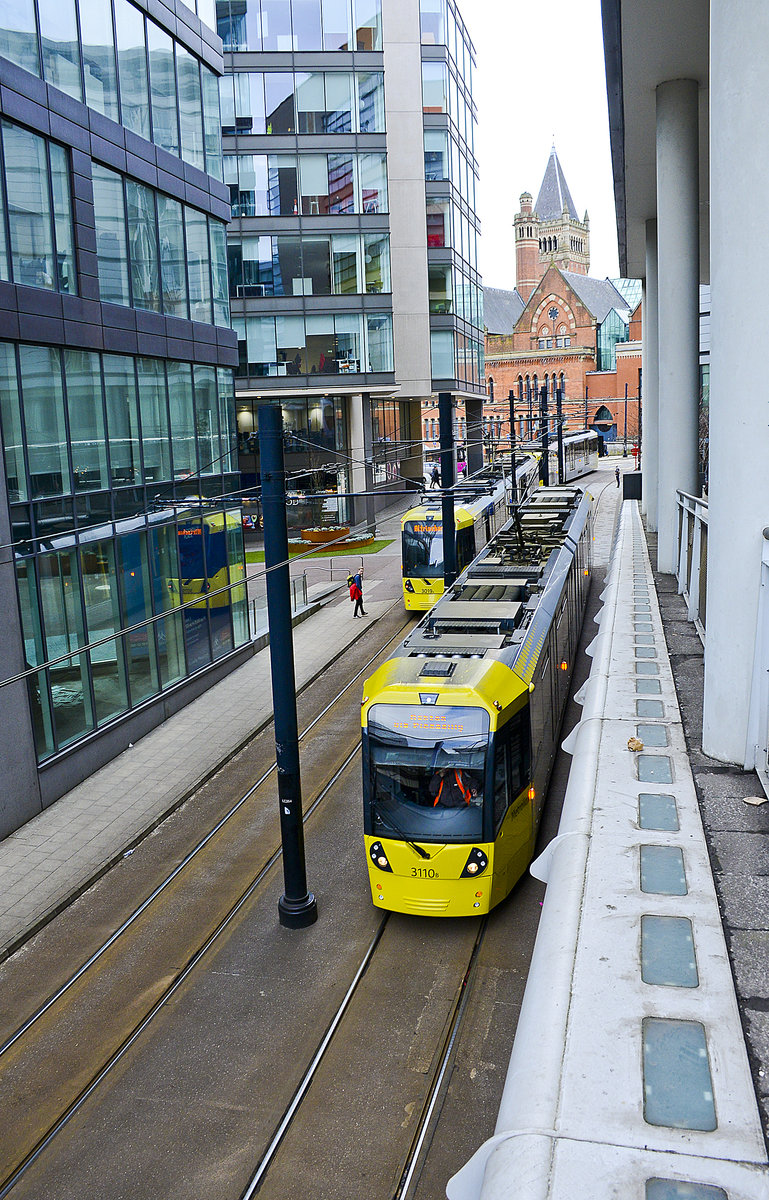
122,569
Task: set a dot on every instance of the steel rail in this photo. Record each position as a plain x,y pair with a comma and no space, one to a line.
266,1160
129,921
428,1108
76,1104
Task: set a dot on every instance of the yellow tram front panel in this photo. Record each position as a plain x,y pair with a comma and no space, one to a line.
421,590
419,595
467,877
431,887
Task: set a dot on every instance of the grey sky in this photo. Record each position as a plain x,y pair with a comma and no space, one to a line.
540,77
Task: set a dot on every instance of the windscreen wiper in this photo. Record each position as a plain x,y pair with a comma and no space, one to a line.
395,828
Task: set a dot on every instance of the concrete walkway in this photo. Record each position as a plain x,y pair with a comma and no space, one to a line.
58,854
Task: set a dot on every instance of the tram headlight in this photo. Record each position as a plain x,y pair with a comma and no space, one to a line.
379,858
408,585
476,864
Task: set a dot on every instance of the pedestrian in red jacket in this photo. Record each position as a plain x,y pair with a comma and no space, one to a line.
356,595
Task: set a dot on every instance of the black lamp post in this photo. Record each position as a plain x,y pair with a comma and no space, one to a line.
297,907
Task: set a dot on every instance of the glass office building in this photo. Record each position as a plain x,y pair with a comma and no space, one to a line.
121,566
337,205
451,174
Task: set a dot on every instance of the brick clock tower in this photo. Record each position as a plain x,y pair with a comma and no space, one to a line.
549,234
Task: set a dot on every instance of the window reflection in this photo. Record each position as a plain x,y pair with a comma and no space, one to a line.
136,598
111,248
99,66
153,406
165,130
34,654
317,102
327,344
279,102
26,176
18,34
10,418
368,24
61,604
182,411
132,63
61,50
190,107
43,402
143,246
122,420
175,255
172,256
86,420
306,24
102,613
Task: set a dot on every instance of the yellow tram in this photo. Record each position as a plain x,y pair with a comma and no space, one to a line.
460,725
480,509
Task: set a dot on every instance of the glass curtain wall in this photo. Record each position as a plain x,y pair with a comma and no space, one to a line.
154,252
131,71
77,424
300,24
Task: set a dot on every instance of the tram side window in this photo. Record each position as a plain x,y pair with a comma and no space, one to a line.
501,796
465,547
512,764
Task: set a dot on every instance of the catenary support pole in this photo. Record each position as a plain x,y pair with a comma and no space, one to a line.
448,479
513,464
544,464
559,433
297,907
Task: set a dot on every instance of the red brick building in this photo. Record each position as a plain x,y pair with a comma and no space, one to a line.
559,329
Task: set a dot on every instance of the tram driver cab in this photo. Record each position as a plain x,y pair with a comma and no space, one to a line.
423,787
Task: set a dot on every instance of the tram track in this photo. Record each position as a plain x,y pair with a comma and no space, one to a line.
407,1170
46,1016
413,1136
11,1040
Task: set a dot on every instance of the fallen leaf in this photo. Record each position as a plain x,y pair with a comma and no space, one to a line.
635,744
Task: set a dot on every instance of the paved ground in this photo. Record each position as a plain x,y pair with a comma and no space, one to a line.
736,836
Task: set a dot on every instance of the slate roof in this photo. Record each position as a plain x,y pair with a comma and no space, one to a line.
501,309
554,194
599,296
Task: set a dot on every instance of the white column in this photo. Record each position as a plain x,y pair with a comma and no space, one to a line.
361,454
739,438
678,307
650,413
406,187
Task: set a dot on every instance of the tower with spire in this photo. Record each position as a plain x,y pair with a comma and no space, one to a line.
549,232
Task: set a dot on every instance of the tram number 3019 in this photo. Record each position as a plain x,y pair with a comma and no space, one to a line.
424,873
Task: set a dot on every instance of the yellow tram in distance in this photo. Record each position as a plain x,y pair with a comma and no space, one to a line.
460,725
481,507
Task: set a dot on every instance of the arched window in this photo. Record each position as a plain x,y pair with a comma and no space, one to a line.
491,388
520,387
563,385
555,243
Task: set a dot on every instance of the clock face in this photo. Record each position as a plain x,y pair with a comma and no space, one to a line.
552,313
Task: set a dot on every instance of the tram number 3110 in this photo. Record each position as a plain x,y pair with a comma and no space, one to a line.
425,873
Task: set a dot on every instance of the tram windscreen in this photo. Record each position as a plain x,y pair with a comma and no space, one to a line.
422,549
426,767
